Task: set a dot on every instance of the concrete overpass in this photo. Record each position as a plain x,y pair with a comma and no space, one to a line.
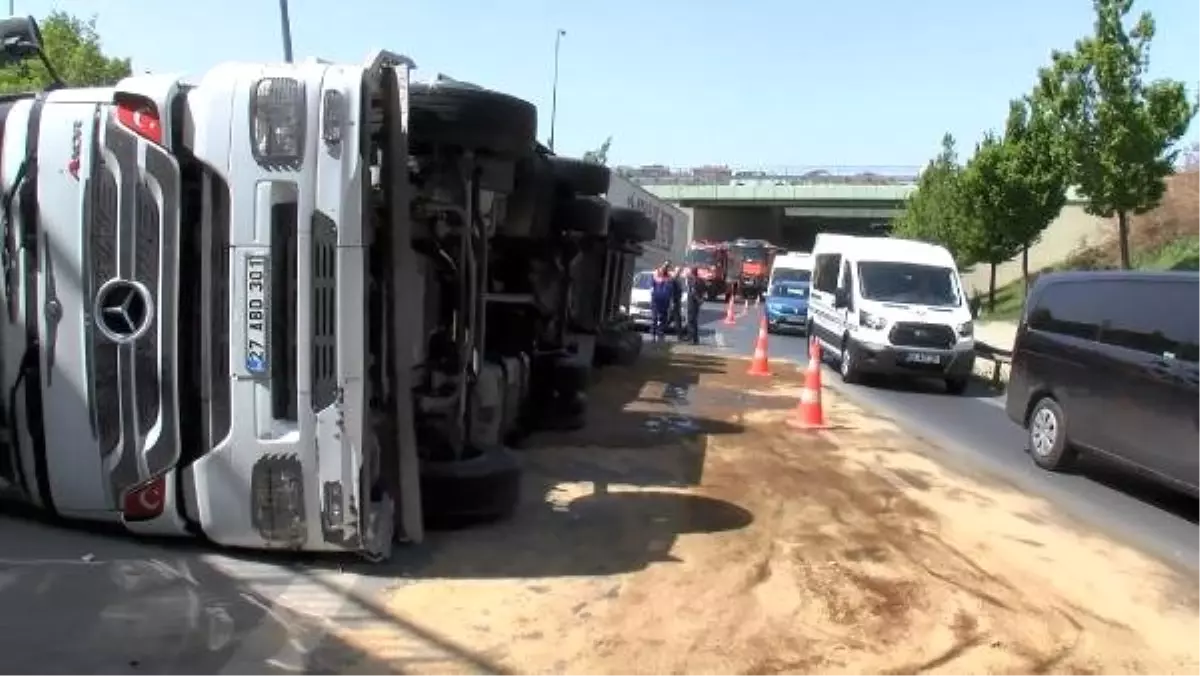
790,208
789,212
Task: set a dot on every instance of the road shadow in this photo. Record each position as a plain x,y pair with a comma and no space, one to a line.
976,387
610,498
1136,485
78,602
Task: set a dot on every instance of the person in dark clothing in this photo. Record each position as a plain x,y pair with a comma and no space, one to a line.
660,300
694,299
677,282
690,283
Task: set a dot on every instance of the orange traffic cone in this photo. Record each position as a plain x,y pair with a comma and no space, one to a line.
759,365
729,318
809,413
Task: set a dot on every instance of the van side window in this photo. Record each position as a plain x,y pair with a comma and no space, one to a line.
1069,309
1152,317
825,272
848,283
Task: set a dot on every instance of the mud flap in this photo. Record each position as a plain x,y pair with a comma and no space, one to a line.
393,83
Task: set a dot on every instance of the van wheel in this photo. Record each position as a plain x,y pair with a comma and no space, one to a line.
848,364
483,487
471,118
1047,426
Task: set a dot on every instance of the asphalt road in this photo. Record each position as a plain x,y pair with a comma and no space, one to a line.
131,606
973,432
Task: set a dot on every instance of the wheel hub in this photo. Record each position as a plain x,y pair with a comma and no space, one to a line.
1043,432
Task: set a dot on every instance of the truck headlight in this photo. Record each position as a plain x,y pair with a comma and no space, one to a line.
870,321
965,330
277,122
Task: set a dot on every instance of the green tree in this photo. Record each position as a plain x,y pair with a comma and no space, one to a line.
986,191
73,46
935,212
1039,171
599,155
1121,131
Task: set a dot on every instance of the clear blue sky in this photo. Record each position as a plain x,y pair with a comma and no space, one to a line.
751,83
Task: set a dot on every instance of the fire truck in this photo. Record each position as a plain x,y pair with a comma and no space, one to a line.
711,260
750,266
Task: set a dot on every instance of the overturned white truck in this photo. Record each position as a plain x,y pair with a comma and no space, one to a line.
292,306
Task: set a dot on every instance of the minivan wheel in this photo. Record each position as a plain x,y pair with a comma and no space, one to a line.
1048,436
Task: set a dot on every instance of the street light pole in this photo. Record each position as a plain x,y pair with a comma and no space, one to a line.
12,7
554,90
286,25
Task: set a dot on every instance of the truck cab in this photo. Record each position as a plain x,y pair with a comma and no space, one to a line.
184,339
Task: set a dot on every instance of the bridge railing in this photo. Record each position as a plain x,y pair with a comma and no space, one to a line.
775,176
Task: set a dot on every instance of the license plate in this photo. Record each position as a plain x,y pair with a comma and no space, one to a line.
258,316
922,358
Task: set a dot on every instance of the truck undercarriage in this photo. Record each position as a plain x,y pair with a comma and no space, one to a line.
489,271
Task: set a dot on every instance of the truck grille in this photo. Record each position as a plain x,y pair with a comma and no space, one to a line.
324,311
914,334
131,388
101,220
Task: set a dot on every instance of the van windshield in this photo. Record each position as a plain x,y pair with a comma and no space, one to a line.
909,283
643,280
792,275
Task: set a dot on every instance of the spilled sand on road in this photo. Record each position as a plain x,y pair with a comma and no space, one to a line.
698,533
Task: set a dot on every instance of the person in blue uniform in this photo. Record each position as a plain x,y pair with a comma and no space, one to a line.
660,300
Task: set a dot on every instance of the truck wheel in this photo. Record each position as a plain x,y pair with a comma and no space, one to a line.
584,215
485,486
530,206
629,348
579,177
461,116
571,375
633,225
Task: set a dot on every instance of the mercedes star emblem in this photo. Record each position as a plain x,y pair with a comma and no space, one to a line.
124,310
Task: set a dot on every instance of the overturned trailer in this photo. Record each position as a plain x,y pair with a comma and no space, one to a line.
286,306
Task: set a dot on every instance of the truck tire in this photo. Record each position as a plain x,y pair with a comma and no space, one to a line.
483,487
469,118
579,177
583,215
571,375
530,206
633,225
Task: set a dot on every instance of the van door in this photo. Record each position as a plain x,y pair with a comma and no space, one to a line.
1153,332
826,319
1061,356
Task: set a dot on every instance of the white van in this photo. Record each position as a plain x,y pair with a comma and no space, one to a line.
793,266
891,306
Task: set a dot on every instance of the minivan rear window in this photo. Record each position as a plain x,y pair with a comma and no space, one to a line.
1155,317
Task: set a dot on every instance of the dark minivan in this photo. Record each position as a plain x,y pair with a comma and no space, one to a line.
1105,362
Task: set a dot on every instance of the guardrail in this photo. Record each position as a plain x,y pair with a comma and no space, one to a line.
1001,362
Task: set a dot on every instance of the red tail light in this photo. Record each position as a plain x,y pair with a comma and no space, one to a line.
145,501
140,117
